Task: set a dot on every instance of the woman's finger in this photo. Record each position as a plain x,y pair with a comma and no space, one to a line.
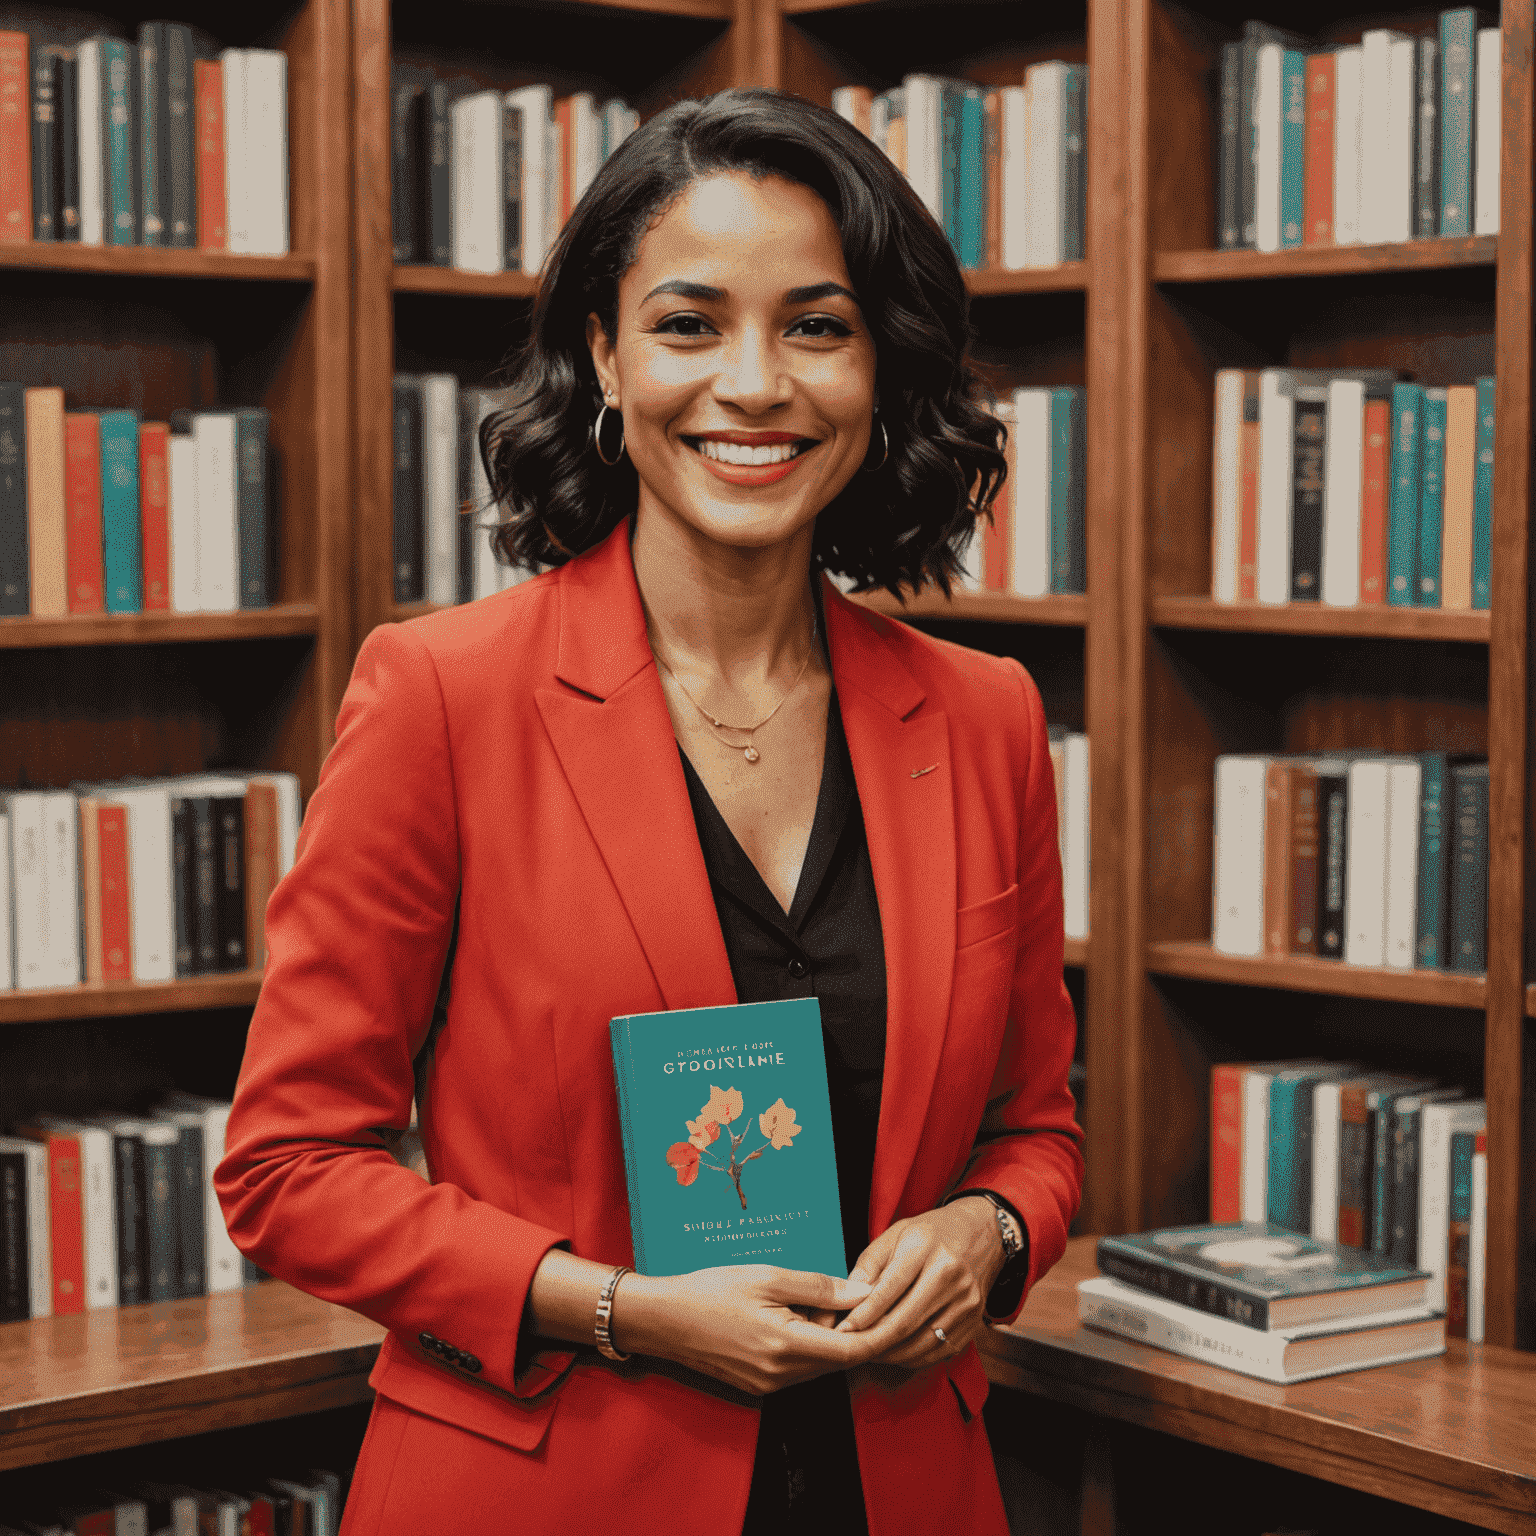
900,1271
944,1283
925,1347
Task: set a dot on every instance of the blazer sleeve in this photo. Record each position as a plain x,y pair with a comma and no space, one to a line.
1029,1147
357,935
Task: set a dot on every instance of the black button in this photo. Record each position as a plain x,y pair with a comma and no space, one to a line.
798,968
469,1363
427,1341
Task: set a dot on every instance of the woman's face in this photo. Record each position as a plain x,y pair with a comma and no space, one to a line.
742,366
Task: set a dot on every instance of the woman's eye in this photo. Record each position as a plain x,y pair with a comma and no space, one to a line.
818,327
684,325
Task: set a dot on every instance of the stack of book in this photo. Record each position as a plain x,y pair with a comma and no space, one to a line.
1392,138
1069,762
103,513
111,1210
1390,1163
270,1506
485,180
1351,488
1258,1300
1369,859
1001,169
167,142
141,879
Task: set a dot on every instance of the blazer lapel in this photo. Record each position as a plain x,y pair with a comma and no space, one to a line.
901,763
610,729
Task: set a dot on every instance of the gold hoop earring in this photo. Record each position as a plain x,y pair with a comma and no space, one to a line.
597,438
869,468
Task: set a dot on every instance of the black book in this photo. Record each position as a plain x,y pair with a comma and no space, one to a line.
229,817
469,446
1074,168
45,144
1311,427
439,177
15,563
191,1260
205,886
512,180
1469,867
252,519
1229,212
1255,35
1333,817
162,1195
132,1213
406,96
68,92
154,105
183,895
409,531
15,1289
179,181
1426,160
282,1513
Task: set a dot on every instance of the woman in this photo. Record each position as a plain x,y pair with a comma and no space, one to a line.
680,769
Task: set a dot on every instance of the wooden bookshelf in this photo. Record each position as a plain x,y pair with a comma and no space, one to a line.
160,628
1378,621
99,1000
1207,266
1068,611
154,261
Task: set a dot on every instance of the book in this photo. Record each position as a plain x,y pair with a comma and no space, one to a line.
189,1172
1031,569
261,866
1458,39
1406,495
1228,149
68,86
29,1243
66,1222
1074,197
749,1176
47,515
1434,861
1387,120
45,146
1375,478
408,489
15,1259
1477,1242
122,547
252,512
1068,500
1489,118
1381,1175
209,161
215,435
1482,498
1277,860
1438,1122
1238,894
90,134
1317,226
114,918
1256,36
1340,515
153,108
1426,202
82,510
475,160
15,555
131,1202
1227,1141
406,91
1348,143
1074,834
222,1261
1276,480
1259,1275
15,138
1226,483
180,138
90,889
1293,131
1459,1234
228,814
1284,1356
120,71
1404,795
535,102
44,859
1431,499
1046,87
266,150
1288,1193
1310,424
181,455
233,75
512,185
1269,112
439,479
1365,896
1302,855
1258,1081
1400,1232
1469,868
154,514
1460,489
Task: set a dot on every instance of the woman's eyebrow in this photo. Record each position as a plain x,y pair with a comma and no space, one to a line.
710,295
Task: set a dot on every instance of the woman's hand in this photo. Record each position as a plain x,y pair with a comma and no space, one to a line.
930,1271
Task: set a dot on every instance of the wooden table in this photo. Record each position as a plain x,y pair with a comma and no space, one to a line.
1455,1435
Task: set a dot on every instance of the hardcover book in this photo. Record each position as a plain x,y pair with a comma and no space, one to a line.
727,1129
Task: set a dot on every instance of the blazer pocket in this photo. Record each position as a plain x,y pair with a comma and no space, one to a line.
986,919
968,1377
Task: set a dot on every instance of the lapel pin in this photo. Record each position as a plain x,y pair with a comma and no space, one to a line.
917,773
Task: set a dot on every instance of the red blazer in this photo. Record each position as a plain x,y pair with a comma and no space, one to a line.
519,750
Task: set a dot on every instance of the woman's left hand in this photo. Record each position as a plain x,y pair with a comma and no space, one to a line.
929,1272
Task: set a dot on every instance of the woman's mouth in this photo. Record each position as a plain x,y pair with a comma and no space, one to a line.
751,463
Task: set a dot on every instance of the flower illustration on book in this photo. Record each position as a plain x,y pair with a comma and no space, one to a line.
725,1108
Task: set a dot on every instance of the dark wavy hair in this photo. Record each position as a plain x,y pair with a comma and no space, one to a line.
904,524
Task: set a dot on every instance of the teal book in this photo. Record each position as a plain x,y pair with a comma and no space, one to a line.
727,1129
121,545
1469,868
1290,1146
1407,1117
152,138
120,79
1434,861
1403,507
1458,104
949,160
1293,145
1482,499
1431,500
1067,491
972,183
1379,1105
1074,181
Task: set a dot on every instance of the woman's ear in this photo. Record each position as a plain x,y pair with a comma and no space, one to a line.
601,349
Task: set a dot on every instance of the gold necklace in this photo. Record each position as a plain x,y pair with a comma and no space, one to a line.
748,751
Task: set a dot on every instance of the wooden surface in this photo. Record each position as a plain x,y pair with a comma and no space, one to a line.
1377,620
1453,1434
1065,610
1212,266
236,989
160,628
116,1377
150,261
481,285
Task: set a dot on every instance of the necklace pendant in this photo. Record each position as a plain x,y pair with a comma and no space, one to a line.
751,754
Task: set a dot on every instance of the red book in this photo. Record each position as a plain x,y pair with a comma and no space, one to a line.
1303,860
15,139
1317,168
565,166
116,919
82,511
154,513
261,858
1248,519
66,1222
1373,501
992,177
261,1520
1227,1141
212,201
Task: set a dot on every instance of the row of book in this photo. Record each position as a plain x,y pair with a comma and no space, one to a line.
1069,763
1002,169
484,180
141,879
113,1210
101,512
1351,488
1392,138
308,1505
167,141
1390,1163
1365,858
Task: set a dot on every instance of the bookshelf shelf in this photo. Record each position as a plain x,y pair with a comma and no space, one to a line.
159,628
1064,610
154,261
467,285
1530,1001
1377,621
1068,277
1298,973
234,989
114,1377
1077,952
1324,260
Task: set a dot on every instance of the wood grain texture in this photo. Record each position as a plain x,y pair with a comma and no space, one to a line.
154,261
1069,610
1065,277
114,1377
1077,953
236,989
159,628
447,280
1378,620
1211,266
1449,1434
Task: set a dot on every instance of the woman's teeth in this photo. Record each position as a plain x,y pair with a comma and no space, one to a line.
741,453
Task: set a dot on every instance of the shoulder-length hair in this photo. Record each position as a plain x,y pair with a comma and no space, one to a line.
906,523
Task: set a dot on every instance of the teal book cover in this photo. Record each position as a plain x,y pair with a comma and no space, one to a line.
1458,97
119,67
1289,1200
1403,507
121,547
1431,499
151,134
1379,1108
949,161
1066,409
971,171
1434,862
1074,181
1468,943
1293,145
1482,499
727,1129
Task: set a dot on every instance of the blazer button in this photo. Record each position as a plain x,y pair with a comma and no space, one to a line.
798,968
469,1362
427,1341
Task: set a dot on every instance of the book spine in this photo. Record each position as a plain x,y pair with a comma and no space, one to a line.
1302,853
1226,1142
62,832
47,515
1375,477
1469,870
15,138
15,543
154,106
132,1221
1288,1196
183,896
1431,500
122,554
1228,146
154,514
992,177
1248,143
45,144
405,97
1032,493
1354,1161
1340,513
1347,145
1433,863
90,131
39,1241
1333,809
29,889
1061,484
229,816
1381,1173
267,149
1269,146
1231,1346
407,501
1238,888
1404,794
1459,482
83,547
261,861
120,66
970,189
1277,863
1013,172
1458,31
160,1198
1403,1243
90,889
212,206
1489,115
204,859
1077,492
1482,498
15,1289
1293,154
180,134
512,183
1276,479
68,90
1407,490
1075,166
1204,1295
218,547
191,1270
949,164
622,1064
1459,1234
234,73
252,434
66,1224
1477,1244
1365,875
1226,484
116,926
1426,201
1325,1160
1317,227
1311,425
439,175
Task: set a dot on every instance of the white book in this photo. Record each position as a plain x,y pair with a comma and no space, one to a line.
1386,142
1047,162
535,104
98,1206
237,187
1490,123
923,148
289,814
1477,1252
1075,836
266,150
1401,109
39,1228
879,120
7,916
587,150
181,511
224,1267
1437,1124
61,827
553,160
1283,1355
842,103
1277,422
1404,789
1349,126
93,182
1326,1103
1343,466
440,466
1031,575
474,160
29,864
1365,868
1226,484
1268,119
1013,151
218,543
1237,926
1253,1154
152,908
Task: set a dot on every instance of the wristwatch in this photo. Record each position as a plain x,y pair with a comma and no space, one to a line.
1007,1230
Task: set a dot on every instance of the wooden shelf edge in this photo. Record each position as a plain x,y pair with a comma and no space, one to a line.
1370,620
1077,952
1298,973
160,628
996,282
1324,260
1530,1001
1066,610
101,1000
155,261
451,282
